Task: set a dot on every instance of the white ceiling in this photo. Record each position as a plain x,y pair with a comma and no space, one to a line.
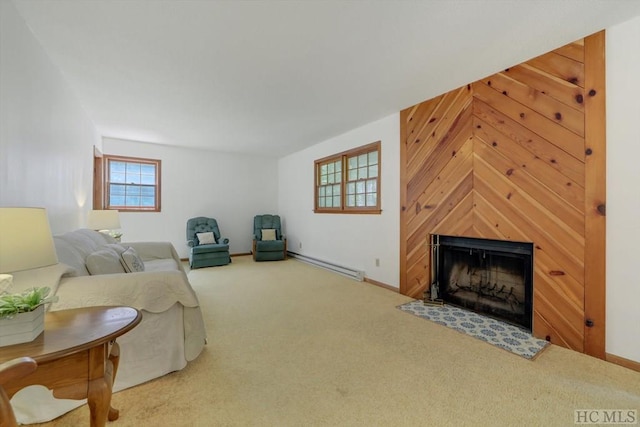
273,77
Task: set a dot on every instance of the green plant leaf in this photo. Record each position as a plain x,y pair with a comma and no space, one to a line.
29,300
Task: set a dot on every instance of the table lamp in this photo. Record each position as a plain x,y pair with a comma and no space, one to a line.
25,242
104,221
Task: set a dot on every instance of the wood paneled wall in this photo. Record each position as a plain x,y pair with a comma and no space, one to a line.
517,156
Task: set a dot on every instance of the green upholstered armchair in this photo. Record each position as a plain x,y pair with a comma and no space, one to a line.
208,248
269,244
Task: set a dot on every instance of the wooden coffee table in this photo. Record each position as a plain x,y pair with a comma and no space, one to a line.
77,356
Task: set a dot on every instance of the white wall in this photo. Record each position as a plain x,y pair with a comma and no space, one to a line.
623,189
46,139
347,239
228,187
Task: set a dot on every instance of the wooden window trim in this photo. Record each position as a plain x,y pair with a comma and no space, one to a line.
343,157
98,179
157,163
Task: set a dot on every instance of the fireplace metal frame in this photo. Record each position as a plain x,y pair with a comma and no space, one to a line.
521,250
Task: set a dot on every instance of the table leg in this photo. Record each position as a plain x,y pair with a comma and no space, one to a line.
100,383
114,358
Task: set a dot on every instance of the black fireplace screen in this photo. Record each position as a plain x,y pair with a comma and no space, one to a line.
491,277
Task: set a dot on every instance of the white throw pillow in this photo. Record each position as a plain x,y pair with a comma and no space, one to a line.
268,234
104,261
206,238
131,261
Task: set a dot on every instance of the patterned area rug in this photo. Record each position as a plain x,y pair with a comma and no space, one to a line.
504,335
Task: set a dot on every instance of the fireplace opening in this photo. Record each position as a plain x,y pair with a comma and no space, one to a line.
490,277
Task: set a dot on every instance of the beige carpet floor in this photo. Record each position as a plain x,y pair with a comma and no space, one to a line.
294,345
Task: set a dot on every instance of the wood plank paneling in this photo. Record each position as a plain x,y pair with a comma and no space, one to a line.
549,107
512,157
595,196
560,66
566,164
532,120
565,92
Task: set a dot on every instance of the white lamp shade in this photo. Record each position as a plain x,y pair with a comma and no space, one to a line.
103,220
25,240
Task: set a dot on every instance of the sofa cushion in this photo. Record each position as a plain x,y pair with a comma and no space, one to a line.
131,262
168,264
270,245
104,261
74,247
205,249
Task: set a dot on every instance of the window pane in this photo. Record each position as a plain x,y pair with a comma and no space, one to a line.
373,171
353,174
147,202
351,201
351,188
336,201
323,169
132,201
116,200
336,190
321,202
362,160
133,168
362,173
338,166
148,179
373,158
360,200
338,177
330,178
148,169
329,202
371,186
323,180
118,167
353,162
329,191
117,177
117,190
371,199
360,187
148,191
321,191
330,167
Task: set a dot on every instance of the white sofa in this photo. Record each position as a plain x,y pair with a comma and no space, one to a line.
172,330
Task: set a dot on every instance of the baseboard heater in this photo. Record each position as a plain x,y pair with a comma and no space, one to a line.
340,269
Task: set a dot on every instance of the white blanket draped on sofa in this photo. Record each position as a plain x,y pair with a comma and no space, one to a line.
172,329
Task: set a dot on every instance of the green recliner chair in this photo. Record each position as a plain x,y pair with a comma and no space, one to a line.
208,248
269,244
